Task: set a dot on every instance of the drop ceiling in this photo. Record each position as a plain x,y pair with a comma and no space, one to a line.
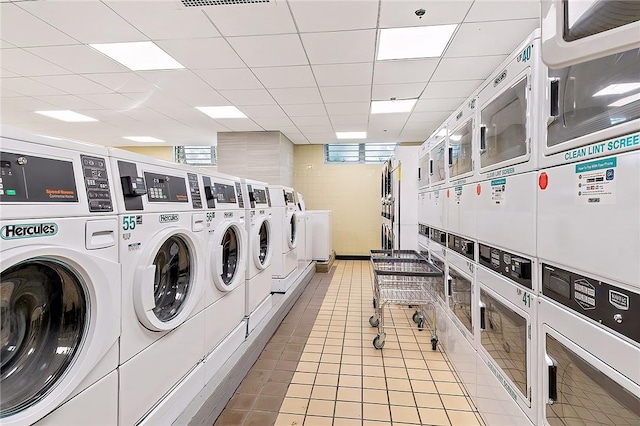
304,67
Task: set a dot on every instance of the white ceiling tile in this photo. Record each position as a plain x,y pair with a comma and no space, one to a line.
319,15
394,13
124,82
297,138
8,74
252,19
476,68
248,97
312,121
450,89
321,137
346,94
240,125
24,63
343,74
445,104
416,135
190,116
255,111
86,21
311,128
185,85
283,77
427,126
202,53
404,71
156,99
306,110
348,108
502,10
71,102
274,123
355,46
113,101
78,59
294,96
233,78
349,120
29,87
426,117
72,84
24,104
289,129
15,22
108,116
145,114
6,93
398,91
489,38
5,44
270,50
165,19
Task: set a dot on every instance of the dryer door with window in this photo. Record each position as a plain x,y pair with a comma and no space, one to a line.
56,324
261,244
166,288
228,256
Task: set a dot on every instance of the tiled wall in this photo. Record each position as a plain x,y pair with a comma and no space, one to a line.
161,152
265,156
351,191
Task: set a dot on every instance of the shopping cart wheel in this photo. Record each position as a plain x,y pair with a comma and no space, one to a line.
434,343
421,324
416,317
378,341
374,321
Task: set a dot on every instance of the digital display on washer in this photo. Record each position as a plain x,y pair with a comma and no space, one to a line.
260,196
288,196
224,193
29,179
165,188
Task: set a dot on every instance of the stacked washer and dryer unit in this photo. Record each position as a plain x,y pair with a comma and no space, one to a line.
530,187
60,283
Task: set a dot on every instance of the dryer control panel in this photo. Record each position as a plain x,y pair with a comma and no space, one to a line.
512,266
461,245
613,307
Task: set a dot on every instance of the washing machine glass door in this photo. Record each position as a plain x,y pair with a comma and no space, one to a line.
44,316
582,394
261,244
228,261
292,235
172,281
460,290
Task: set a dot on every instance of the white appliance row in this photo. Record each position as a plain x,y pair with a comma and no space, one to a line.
129,280
528,199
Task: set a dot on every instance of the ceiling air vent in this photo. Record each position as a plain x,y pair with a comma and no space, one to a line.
202,3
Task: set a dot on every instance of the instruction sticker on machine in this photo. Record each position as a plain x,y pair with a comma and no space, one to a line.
457,193
596,182
498,188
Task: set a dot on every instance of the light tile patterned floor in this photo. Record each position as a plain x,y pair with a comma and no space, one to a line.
342,380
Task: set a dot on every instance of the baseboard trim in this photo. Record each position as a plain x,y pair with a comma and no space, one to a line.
207,406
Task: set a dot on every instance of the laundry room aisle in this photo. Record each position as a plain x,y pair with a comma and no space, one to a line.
320,367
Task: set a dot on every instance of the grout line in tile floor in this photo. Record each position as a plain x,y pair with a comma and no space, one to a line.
326,371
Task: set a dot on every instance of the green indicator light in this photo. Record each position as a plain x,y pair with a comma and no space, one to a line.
11,192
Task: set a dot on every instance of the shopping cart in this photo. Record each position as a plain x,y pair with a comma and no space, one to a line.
403,281
397,254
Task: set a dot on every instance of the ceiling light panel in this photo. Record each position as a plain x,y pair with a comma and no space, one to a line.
66,115
144,139
414,42
388,107
139,56
351,135
217,112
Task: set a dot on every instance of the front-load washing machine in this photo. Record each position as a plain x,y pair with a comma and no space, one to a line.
226,248
60,283
285,257
259,227
162,340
